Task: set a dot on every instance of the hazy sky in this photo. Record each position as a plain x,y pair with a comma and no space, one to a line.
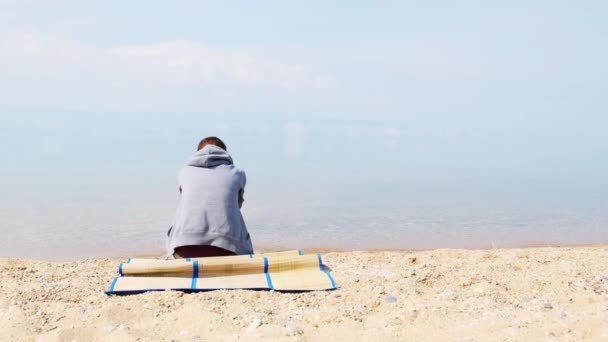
115,94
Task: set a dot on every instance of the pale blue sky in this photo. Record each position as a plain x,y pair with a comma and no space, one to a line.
350,58
440,93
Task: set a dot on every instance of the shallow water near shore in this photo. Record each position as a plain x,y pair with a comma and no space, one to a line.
65,229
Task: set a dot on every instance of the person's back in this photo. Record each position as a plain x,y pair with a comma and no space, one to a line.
208,221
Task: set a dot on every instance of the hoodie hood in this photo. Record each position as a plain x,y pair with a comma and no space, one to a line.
210,156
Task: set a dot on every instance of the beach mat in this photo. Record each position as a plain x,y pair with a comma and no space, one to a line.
282,271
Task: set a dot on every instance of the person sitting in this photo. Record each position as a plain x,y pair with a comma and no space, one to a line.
208,221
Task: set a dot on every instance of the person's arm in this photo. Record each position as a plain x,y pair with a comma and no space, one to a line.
242,190
179,181
241,197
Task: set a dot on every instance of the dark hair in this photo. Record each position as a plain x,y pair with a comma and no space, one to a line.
212,141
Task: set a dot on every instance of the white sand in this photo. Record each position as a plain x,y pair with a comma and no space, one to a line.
453,295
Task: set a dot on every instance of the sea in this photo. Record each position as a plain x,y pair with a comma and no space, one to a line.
103,185
67,229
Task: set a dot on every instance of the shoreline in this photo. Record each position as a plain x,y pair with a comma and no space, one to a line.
119,257
443,294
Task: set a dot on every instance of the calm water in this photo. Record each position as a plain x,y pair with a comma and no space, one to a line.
92,185
109,227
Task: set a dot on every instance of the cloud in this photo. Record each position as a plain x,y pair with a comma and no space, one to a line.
45,47
181,61
25,56
195,62
20,45
185,60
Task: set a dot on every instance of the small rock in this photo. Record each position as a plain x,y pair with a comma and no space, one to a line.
413,313
479,290
293,330
390,299
38,313
548,306
445,294
254,325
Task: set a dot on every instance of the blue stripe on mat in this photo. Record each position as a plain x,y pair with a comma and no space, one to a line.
268,280
194,274
299,252
250,256
113,284
120,269
333,283
188,259
128,260
331,279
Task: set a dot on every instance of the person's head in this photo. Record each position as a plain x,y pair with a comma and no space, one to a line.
212,141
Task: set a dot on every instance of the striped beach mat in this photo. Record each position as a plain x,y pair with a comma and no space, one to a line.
283,271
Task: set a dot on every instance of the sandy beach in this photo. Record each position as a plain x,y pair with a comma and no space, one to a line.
557,293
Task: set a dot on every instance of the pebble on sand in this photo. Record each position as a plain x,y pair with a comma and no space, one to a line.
254,325
390,299
292,329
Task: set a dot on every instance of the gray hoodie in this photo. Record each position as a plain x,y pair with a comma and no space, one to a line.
208,212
